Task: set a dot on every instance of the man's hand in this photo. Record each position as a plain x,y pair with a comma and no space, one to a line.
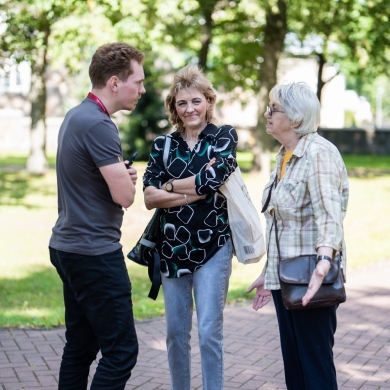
316,279
262,296
133,175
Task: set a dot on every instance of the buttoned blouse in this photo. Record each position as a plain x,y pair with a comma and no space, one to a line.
193,233
310,203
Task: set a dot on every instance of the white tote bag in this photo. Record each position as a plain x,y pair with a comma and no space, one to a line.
244,220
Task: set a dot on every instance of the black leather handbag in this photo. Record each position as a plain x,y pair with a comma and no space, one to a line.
295,274
142,252
145,251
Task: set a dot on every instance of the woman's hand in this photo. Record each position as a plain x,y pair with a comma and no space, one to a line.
211,162
316,279
262,296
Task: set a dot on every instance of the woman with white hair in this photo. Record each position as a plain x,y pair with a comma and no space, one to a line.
307,195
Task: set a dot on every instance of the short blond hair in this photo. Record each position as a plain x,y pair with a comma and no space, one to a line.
191,76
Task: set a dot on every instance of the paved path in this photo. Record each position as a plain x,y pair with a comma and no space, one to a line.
29,359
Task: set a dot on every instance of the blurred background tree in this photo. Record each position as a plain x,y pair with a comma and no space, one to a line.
145,123
239,43
353,35
27,37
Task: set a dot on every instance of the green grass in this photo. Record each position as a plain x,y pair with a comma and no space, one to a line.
244,160
356,164
354,161
16,158
31,289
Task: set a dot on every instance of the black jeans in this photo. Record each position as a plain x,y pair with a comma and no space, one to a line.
307,339
98,316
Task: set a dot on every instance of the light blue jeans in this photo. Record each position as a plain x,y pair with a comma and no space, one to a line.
210,285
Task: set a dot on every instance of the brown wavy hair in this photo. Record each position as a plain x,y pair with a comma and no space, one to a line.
113,59
191,76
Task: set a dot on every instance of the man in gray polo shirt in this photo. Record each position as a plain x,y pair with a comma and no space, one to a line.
94,185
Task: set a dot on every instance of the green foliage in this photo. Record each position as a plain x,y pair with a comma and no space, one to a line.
30,23
226,36
378,85
145,123
354,35
233,56
349,119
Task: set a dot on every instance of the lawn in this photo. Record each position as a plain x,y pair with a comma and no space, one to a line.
31,290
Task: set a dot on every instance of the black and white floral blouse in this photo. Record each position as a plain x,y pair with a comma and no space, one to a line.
193,233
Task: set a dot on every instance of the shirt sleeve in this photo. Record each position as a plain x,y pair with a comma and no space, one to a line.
224,150
155,170
325,188
103,143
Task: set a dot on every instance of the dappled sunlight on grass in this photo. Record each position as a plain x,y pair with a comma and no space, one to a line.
367,224
19,158
32,300
28,312
143,306
31,290
20,188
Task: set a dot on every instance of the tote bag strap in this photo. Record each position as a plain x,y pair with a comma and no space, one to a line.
167,149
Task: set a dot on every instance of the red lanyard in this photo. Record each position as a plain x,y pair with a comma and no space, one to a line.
98,102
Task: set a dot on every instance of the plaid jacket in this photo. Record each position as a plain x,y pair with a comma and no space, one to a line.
310,203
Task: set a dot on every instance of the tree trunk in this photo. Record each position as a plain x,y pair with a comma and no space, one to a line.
274,34
206,31
320,82
37,163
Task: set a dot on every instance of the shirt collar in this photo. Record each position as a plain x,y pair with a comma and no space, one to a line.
209,131
303,143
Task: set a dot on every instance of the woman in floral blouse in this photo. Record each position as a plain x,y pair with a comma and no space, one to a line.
309,200
195,247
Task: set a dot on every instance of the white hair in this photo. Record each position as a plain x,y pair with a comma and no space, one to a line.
300,104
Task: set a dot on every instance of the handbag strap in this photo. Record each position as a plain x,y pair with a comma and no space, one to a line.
265,208
276,236
154,271
269,195
154,266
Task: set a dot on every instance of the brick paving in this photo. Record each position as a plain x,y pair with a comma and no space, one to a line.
30,359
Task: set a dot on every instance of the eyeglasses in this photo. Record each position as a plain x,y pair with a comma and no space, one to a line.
270,111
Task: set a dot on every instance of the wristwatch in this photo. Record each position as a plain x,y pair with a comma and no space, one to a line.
169,185
322,257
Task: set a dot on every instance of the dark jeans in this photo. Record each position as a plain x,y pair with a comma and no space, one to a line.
307,339
98,315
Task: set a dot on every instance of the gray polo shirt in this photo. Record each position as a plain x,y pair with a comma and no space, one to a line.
89,221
